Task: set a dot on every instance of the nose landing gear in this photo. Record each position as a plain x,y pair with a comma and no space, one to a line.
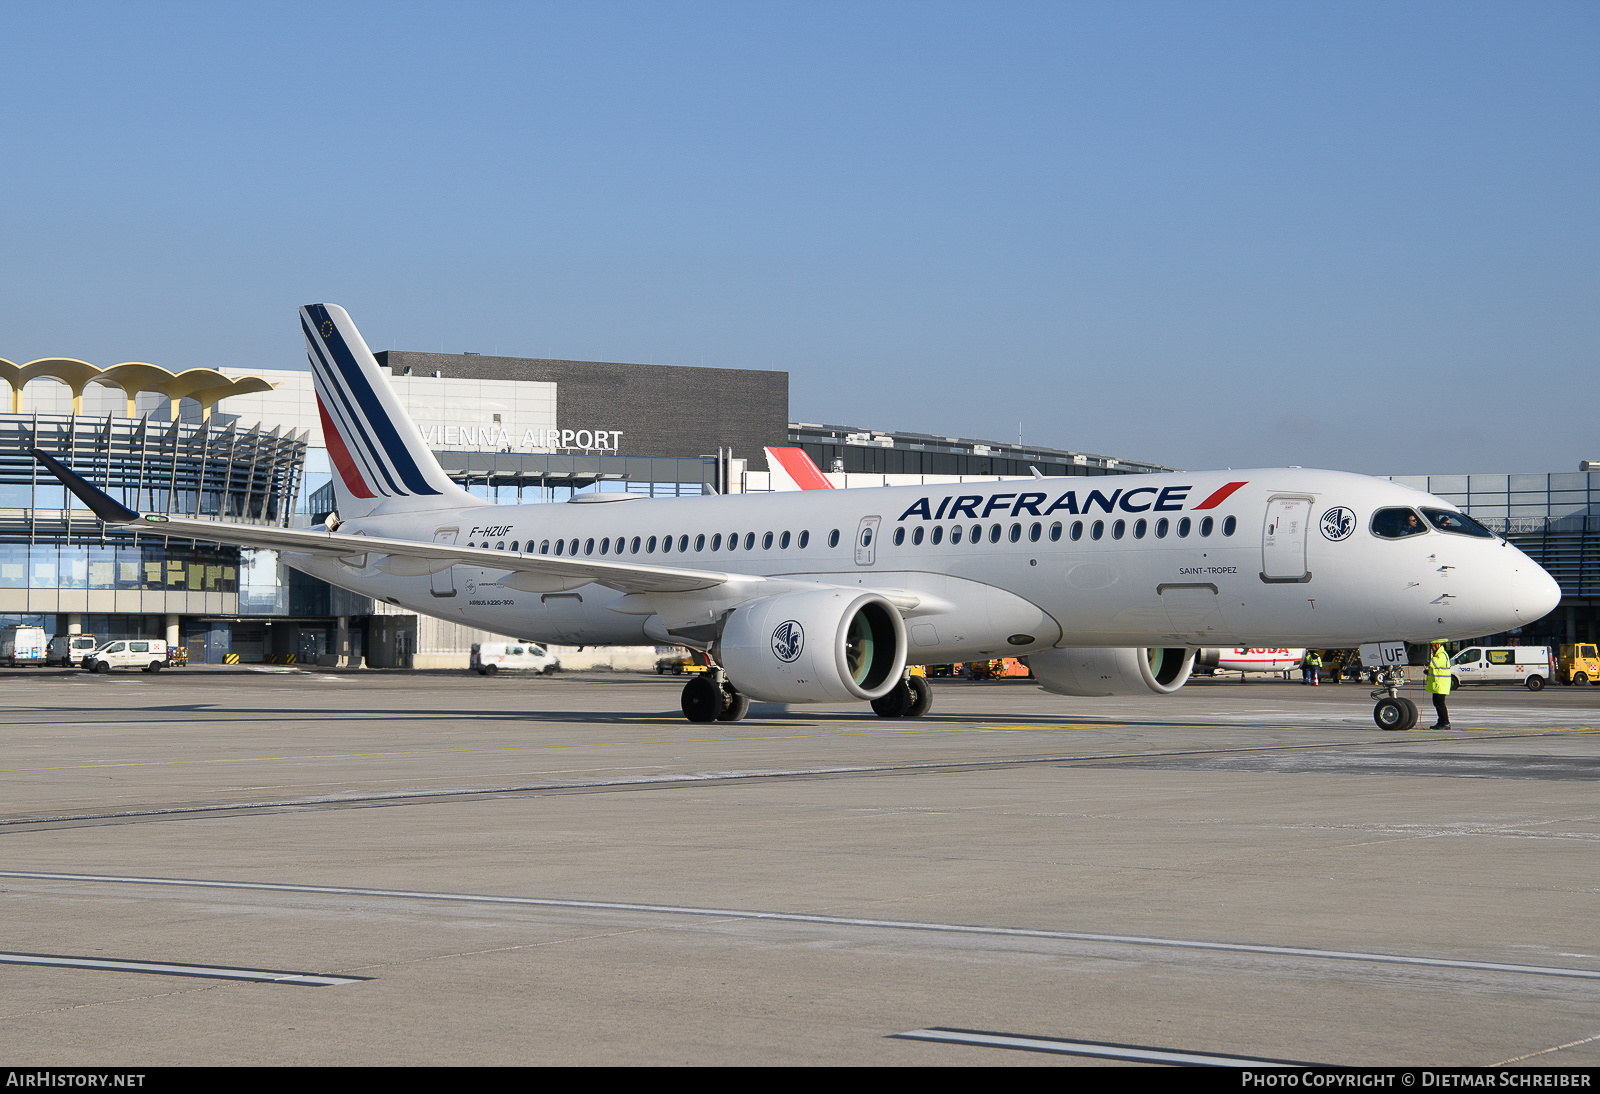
1394,711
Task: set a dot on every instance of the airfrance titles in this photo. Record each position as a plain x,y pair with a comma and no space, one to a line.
1142,499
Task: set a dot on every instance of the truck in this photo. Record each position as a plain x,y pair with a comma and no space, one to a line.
1531,666
1579,664
23,645
144,654
69,650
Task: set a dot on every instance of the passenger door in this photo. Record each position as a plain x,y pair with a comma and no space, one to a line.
444,582
1283,540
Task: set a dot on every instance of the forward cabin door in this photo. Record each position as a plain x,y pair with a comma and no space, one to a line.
444,582
1283,540
867,540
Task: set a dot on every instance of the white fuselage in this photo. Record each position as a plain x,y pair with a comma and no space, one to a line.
1279,579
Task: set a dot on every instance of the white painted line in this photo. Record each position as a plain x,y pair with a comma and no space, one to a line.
1135,1053
837,921
211,972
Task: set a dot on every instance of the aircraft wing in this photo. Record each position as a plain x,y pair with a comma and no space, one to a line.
424,558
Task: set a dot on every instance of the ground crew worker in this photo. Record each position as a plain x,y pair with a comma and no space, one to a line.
1314,667
1439,683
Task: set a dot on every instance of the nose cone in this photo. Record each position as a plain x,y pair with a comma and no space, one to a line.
1534,593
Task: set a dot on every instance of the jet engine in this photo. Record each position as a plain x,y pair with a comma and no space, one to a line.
815,646
1096,672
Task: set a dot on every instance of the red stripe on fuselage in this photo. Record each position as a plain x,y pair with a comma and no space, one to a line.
1220,496
340,455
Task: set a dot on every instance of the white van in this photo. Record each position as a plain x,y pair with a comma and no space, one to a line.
69,650
144,654
23,645
489,658
1530,665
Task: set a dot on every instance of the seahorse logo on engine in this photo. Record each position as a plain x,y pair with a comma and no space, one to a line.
788,639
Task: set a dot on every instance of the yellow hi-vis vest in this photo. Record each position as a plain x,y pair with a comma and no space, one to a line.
1439,672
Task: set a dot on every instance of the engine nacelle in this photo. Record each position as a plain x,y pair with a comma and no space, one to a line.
827,645
1097,672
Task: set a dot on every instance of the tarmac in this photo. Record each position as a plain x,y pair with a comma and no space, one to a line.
307,866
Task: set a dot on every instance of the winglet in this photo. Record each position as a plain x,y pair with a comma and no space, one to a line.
103,505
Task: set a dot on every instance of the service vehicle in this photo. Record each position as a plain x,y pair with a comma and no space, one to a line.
1579,664
679,663
1529,665
23,645
69,650
144,654
489,658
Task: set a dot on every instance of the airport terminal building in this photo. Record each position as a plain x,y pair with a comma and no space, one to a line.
248,446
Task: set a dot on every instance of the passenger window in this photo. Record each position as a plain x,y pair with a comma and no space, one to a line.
1397,524
805,538
1139,528
683,543
733,541
1118,529
833,538
899,536
700,542
1161,528
1055,532
635,544
501,546
1077,531
975,533
650,545
766,542
938,534
572,548
783,542
1459,523
955,533
588,547
749,541
1183,528
1098,530
666,544
1470,657
716,542
605,545
560,545
544,548
514,545
1015,533
1206,525
1034,531
1229,525
916,536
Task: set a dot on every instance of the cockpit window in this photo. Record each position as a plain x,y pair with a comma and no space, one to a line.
1459,523
1397,523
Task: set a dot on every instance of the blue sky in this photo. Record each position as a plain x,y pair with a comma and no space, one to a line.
1351,235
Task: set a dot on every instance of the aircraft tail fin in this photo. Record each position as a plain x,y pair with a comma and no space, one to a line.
794,469
379,459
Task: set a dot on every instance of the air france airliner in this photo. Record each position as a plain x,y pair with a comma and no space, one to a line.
1107,586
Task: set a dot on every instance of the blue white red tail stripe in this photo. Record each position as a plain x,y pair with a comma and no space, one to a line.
378,456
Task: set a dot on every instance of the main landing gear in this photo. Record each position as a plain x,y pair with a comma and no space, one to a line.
708,697
1394,711
912,699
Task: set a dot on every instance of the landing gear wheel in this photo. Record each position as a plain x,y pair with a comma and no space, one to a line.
1392,714
735,705
921,697
895,704
1412,714
702,700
